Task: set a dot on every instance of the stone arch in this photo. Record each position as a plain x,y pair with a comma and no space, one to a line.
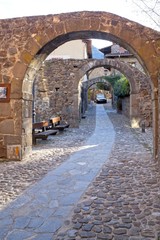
85,87
90,82
140,88
27,41
130,72
140,96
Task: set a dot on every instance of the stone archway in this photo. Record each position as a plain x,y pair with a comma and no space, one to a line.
47,98
86,86
137,113
140,88
26,42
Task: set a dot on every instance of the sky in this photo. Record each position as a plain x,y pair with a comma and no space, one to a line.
124,8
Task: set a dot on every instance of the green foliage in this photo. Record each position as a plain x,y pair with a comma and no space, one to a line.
112,79
122,87
103,86
89,94
100,86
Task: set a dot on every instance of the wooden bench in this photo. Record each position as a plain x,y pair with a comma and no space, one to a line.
56,124
39,131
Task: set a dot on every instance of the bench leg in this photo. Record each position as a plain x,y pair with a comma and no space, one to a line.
34,140
38,137
44,138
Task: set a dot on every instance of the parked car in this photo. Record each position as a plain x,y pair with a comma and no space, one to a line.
100,99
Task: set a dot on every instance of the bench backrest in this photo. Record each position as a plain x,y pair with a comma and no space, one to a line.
40,125
55,120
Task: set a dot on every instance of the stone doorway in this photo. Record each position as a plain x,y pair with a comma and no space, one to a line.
25,44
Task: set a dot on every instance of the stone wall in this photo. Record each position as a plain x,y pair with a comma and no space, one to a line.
126,106
56,91
145,106
97,72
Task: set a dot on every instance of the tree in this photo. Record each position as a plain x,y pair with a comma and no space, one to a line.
150,8
122,87
103,86
112,79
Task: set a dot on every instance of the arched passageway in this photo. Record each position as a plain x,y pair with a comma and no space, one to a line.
86,85
140,94
54,93
26,42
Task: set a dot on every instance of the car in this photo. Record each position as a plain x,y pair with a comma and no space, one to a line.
100,99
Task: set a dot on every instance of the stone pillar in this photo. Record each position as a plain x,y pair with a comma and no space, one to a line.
75,115
155,90
11,130
156,128
27,126
84,99
82,102
134,111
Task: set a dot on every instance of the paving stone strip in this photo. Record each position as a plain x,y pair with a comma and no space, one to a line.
122,201
42,209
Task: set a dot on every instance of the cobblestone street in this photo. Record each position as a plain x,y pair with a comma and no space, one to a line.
121,203
16,176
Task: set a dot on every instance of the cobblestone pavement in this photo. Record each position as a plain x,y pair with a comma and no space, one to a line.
15,177
123,202
43,208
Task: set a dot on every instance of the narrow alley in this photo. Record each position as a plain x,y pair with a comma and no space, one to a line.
95,182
